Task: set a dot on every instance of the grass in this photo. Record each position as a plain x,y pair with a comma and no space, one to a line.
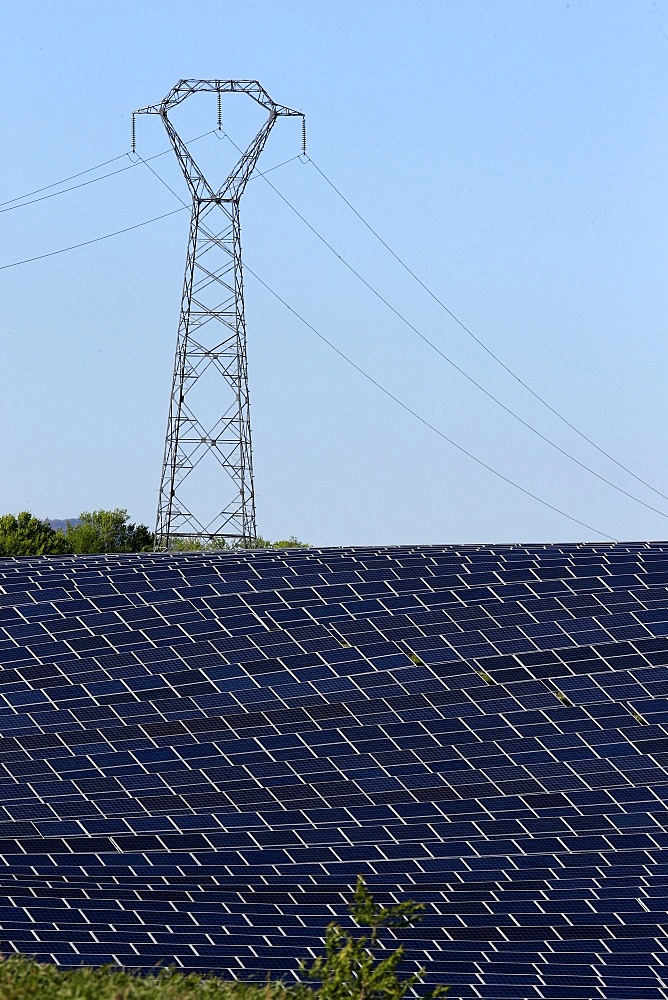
24,978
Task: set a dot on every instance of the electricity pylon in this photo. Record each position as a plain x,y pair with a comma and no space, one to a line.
206,487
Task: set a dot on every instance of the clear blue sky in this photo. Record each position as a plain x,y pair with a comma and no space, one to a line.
513,152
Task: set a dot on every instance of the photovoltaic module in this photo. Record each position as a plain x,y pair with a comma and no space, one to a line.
200,752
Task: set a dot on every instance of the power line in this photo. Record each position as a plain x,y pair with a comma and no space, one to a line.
64,180
458,368
481,343
396,399
87,243
93,180
256,173
263,173
138,225
517,378
423,420
185,204
361,371
75,187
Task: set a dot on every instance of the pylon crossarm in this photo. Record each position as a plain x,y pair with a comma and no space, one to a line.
184,88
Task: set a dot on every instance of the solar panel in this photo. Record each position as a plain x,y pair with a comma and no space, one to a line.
200,752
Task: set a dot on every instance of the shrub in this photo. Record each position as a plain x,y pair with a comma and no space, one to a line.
350,968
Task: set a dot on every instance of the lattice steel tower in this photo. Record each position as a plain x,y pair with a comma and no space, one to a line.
206,487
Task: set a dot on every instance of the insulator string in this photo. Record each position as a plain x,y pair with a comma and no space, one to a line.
134,135
303,135
220,112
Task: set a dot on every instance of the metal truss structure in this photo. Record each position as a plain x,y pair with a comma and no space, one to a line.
206,486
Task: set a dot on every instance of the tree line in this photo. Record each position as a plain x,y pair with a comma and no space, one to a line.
98,531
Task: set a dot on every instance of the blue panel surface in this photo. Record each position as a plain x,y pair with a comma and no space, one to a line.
199,753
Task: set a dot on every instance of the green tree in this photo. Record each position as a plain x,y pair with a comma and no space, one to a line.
350,968
25,535
83,539
139,538
194,544
264,543
108,531
288,543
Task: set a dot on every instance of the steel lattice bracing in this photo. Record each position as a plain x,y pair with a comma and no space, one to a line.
206,487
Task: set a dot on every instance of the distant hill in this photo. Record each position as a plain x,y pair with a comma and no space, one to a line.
59,525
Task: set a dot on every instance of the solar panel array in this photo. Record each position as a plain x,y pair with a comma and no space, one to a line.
200,752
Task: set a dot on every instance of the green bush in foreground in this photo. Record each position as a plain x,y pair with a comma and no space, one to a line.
350,969
25,979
